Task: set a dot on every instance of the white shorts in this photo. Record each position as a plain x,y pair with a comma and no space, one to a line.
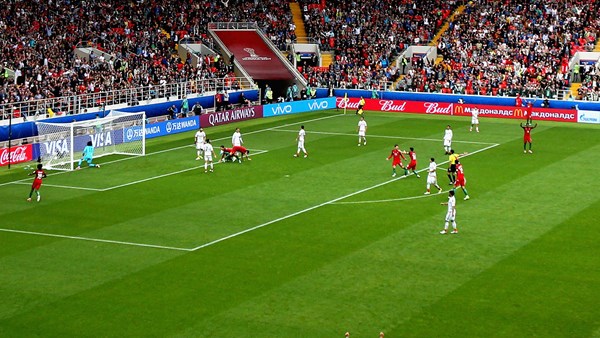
447,143
208,157
450,216
301,145
362,134
474,120
200,146
431,179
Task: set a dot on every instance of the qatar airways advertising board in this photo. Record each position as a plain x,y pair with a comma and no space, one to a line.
230,116
446,108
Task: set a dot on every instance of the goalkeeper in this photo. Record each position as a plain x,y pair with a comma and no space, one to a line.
88,156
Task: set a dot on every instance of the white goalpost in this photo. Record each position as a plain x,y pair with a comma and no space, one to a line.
118,133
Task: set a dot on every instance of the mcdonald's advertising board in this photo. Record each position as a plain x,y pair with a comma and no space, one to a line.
447,108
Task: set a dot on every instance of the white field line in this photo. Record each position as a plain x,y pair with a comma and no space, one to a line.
180,147
393,199
254,152
333,201
62,186
95,240
382,136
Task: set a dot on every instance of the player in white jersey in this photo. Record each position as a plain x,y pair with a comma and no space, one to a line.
448,139
432,177
451,214
474,119
236,139
209,152
362,131
300,139
199,139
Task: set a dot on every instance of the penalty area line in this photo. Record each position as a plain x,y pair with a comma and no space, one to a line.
89,239
393,199
169,174
333,201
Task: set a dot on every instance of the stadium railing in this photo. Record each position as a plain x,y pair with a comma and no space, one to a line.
69,105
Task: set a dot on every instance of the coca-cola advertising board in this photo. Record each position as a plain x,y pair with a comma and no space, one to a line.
446,108
18,154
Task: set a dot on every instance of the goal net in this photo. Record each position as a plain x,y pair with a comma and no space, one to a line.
120,133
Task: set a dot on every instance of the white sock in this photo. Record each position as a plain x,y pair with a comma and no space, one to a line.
446,225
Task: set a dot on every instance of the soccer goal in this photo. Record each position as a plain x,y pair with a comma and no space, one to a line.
118,133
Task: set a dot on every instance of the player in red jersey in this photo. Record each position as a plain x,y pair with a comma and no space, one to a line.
527,136
518,101
39,174
413,161
397,156
243,152
528,112
461,181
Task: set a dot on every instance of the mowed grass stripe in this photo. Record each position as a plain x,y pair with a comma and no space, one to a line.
388,281
547,288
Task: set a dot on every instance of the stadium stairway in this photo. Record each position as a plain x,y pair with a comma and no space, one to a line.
326,59
438,36
446,25
299,22
574,89
597,48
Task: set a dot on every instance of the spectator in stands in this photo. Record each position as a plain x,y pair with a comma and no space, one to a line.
197,109
268,94
173,112
184,107
243,101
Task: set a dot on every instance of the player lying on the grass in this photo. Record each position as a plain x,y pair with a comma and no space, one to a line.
461,181
527,128
234,154
88,156
39,174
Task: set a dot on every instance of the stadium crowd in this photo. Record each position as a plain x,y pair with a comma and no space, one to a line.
495,47
511,46
367,36
137,41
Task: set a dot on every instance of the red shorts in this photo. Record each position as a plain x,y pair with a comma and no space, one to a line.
460,182
527,139
412,166
396,162
36,185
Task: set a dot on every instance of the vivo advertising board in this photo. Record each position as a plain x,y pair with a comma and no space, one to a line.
296,107
231,116
161,128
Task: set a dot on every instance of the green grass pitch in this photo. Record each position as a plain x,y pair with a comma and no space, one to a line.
294,247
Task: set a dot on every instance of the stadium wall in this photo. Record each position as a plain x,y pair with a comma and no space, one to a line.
28,129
